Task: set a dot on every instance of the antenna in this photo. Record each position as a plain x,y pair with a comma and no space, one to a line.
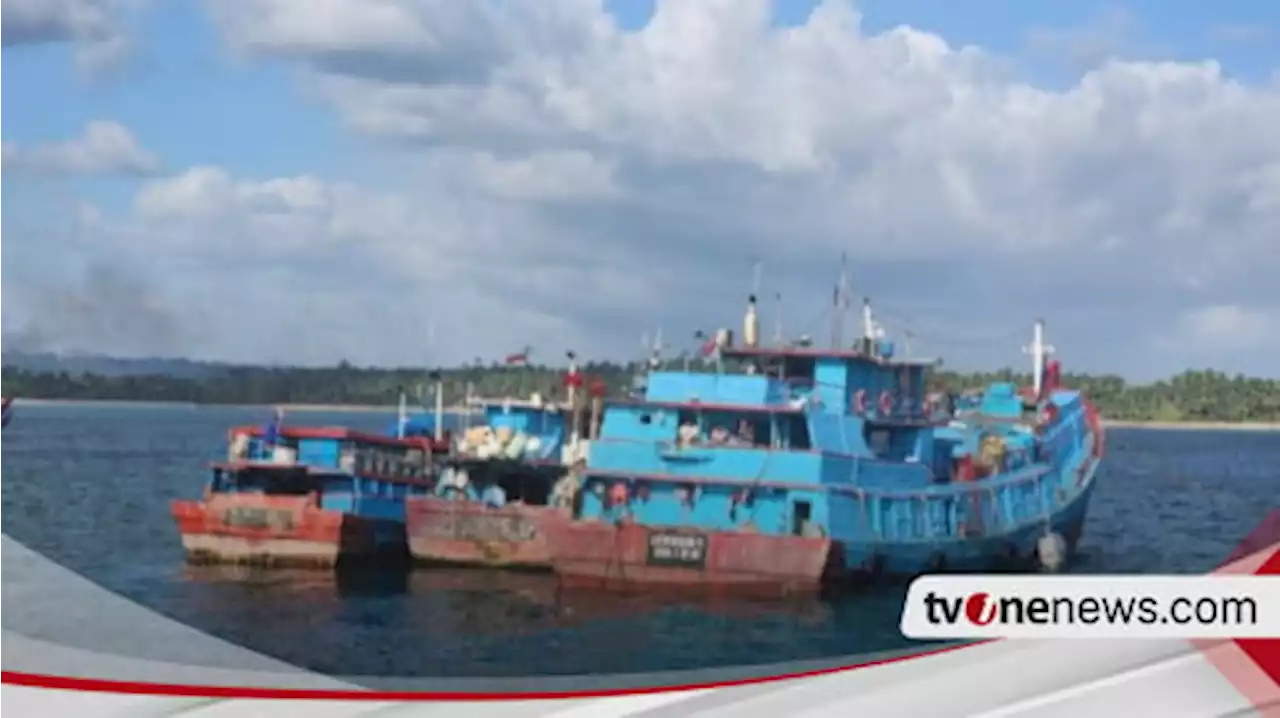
868,320
777,328
907,336
402,416
655,360
839,301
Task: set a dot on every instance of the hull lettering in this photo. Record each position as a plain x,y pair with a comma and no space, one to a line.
254,517
510,529
677,550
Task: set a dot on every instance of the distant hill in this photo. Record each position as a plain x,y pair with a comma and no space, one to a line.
1197,396
74,364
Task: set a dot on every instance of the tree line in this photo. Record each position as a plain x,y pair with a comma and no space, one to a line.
1190,396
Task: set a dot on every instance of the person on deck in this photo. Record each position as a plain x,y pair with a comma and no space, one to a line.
271,432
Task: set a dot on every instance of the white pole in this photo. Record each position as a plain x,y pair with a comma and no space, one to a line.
1039,351
573,400
403,415
778,339
440,408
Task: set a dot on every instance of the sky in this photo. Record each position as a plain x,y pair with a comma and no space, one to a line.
420,182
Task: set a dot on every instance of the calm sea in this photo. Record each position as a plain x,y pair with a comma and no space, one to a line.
90,487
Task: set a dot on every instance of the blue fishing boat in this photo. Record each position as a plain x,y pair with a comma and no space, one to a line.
788,466
313,496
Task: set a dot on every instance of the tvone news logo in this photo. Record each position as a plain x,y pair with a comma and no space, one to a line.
982,609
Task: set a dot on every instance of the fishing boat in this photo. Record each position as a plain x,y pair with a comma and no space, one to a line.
307,496
788,466
503,480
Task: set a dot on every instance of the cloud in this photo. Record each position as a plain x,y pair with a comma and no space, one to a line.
105,148
574,184
1230,327
94,27
1111,33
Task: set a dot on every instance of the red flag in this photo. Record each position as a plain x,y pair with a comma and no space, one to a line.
708,347
1053,375
517,359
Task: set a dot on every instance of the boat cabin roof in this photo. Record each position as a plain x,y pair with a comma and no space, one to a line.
802,352
518,404
696,405
337,433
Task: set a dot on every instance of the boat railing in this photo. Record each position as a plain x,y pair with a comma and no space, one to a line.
951,490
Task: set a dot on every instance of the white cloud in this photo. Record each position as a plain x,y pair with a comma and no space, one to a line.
1230,327
576,184
103,148
94,27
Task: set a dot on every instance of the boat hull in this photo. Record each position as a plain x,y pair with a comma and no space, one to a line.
1013,548
470,533
628,555
265,530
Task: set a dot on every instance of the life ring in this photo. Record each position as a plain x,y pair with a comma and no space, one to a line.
860,401
886,403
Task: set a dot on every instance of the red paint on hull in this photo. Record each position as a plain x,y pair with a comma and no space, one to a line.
272,530
598,554
469,533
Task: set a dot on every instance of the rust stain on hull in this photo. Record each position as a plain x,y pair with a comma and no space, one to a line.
628,555
469,533
263,530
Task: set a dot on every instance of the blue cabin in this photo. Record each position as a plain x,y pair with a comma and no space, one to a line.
310,496
350,472
843,444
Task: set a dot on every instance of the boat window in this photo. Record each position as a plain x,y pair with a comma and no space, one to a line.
687,430
646,419
878,440
281,483
774,367
800,517
799,369
798,431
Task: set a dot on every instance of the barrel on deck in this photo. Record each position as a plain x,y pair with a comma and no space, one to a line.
471,533
629,555
281,531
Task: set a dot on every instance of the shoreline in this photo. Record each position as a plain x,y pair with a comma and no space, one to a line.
1250,426
1192,425
289,408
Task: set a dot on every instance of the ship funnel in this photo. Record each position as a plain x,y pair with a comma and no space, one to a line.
751,324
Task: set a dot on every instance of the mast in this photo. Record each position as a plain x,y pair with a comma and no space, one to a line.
655,359
777,327
439,405
1039,352
868,320
751,321
839,302
402,415
574,409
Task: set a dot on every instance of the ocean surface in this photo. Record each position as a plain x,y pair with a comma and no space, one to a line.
90,486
